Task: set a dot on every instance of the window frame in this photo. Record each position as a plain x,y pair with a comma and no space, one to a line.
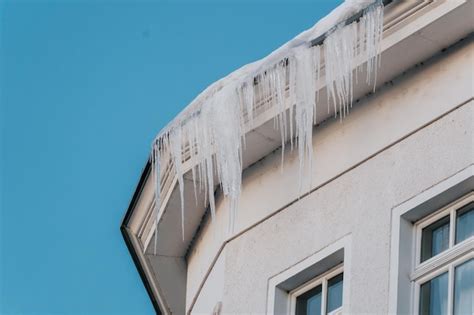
451,211
446,261
402,237
322,280
311,267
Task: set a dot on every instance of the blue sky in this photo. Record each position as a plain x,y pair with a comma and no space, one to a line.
84,88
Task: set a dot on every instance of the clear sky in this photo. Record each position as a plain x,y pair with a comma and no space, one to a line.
84,88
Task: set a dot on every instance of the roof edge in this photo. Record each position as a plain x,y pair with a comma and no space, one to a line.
127,236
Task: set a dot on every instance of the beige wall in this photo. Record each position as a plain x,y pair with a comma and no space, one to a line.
404,139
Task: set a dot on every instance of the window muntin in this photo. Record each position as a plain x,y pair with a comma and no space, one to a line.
445,229
443,273
320,296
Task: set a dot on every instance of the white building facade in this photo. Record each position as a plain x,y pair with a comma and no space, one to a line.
383,221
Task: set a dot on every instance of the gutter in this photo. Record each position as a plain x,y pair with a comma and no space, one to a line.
356,17
128,235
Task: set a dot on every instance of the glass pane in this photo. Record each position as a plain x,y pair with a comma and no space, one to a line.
314,305
464,288
434,296
309,303
435,238
335,293
465,223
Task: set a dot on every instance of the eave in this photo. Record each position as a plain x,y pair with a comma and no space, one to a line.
130,240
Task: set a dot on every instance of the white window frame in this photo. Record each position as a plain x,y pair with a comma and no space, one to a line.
446,261
320,280
278,297
403,235
450,210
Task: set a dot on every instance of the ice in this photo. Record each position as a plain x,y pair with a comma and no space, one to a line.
372,28
210,132
339,53
175,144
304,106
225,125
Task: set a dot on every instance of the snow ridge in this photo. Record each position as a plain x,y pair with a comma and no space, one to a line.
211,130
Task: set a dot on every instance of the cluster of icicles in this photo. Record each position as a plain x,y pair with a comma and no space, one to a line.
212,134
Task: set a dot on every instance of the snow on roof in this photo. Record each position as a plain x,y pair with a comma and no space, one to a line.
341,13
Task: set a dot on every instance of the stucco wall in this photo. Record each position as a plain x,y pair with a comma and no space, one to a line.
407,137
358,203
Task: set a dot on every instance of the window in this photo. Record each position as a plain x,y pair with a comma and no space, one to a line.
314,285
444,263
322,295
421,250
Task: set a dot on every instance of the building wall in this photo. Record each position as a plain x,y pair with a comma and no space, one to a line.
410,135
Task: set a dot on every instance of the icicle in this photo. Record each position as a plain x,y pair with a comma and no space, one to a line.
155,169
317,64
277,76
305,104
207,151
247,101
280,105
227,135
339,54
175,139
193,154
214,127
291,68
372,23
